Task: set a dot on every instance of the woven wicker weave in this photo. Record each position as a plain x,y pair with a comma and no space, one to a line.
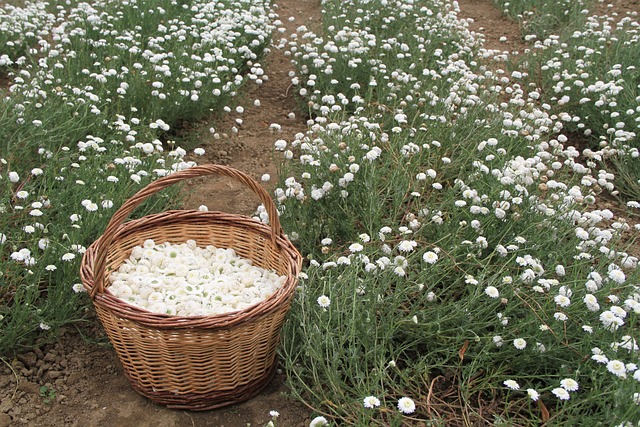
202,362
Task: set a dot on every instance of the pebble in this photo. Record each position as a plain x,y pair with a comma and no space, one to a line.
38,352
29,387
28,359
51,356
52,375
5,420
5,380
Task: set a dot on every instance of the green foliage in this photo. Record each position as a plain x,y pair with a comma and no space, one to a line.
456,254
48,394
95,92
543,18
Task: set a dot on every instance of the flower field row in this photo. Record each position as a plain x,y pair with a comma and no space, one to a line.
591,75
95,91
464,268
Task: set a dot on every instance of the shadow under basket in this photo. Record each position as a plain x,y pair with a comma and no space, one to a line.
199,362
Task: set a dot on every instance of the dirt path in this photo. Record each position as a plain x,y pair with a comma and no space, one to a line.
485,18
249,147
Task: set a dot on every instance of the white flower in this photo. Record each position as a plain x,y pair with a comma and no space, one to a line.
355,247
199,151
265,177
14,177
318,422
78,287
569,384
407,245
617,368
561,393
44,326
430,257
68,256
364,237
534,395
406,405
591,302
371,402
519,343
599,358
492,291
513,385
561,317
562,300
324,301
617,275
274,414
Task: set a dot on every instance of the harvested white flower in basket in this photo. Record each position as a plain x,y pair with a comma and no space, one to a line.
193,302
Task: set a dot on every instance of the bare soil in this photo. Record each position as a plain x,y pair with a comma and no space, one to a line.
250,149
78,380
486,19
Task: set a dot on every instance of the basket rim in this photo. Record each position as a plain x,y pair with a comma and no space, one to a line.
221,320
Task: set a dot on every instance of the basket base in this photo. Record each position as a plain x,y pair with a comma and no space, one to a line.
205,402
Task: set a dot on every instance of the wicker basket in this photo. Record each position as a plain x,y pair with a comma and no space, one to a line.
200,362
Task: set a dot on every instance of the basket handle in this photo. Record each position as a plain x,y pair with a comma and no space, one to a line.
127,207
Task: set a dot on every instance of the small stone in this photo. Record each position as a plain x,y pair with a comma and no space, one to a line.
5,380
38,352
29,387
52,375
50,357
28,359
41,371
17,411
5,420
